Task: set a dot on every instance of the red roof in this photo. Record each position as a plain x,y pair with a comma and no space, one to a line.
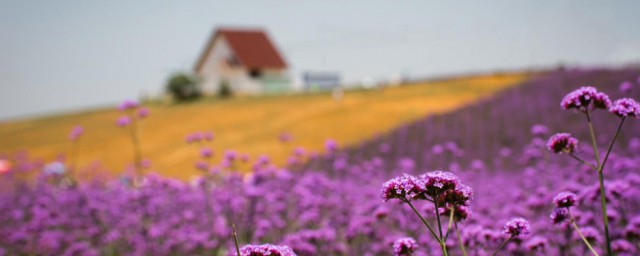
251,47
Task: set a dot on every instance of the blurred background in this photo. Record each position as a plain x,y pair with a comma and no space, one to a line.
266,77
64,55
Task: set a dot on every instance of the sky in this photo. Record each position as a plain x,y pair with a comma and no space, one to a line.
64,56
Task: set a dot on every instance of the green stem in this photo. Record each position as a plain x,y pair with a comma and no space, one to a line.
235,239
583,161
603,199
502,245
575,226
606,156
594,144
446,235
464,251
137,152
435,202
424,221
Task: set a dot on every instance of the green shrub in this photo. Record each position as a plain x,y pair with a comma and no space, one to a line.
183,87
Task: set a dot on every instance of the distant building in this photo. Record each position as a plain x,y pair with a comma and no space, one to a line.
245,59
320,81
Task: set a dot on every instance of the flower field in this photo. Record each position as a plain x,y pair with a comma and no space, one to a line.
248,125
529,171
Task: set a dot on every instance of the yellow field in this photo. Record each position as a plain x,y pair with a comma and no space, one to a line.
247,125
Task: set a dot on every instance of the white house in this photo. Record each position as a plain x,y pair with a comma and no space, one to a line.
245,59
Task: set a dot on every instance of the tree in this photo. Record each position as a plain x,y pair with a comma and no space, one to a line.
183,87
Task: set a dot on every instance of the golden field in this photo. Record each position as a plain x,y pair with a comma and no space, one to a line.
247,125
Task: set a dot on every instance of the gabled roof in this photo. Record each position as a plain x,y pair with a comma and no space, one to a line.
251,47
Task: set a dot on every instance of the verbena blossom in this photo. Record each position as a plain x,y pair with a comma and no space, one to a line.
75,133
565,199
143,112
539,130
585,99
625,87
208,136
624,247
437,182
405,187
625,107
127,105
266,250
404,246
206,153
331,146
517,227
559,215
537,244
562,143
123,121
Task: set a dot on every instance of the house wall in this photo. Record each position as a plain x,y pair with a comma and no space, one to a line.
215,69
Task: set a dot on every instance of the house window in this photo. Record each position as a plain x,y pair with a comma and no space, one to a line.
255,73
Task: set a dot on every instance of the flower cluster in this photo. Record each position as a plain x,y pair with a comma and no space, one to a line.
133,111
517,227
625,107
404,246
562,143
405,187
586,99
266,250
76,132
565,200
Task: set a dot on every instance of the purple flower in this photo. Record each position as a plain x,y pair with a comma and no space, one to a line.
537,244
404,246
585,99
591,234
623,246
625,107
625,87
206,153
559,215
285,137
230,155
539,130
405,187
331,145
75,133
517,227
562,143
460,195
127,104
437,182
143,112
202,165
208,136
266,250
123,121
565,199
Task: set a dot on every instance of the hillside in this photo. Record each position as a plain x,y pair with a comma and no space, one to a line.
247,125
497,131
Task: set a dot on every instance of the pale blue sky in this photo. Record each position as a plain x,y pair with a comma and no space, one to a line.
58,56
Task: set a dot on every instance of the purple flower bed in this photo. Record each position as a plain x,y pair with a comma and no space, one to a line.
502,188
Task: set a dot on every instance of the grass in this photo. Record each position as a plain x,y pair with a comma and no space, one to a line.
247,125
